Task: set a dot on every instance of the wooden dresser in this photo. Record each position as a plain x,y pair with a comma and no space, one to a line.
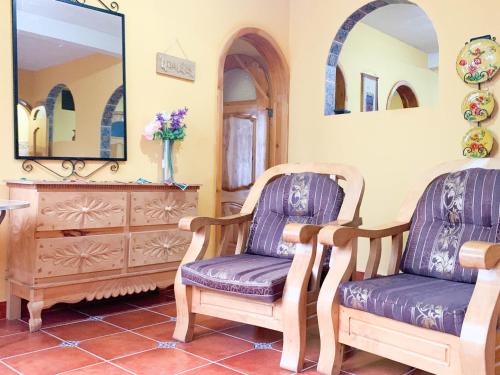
82,240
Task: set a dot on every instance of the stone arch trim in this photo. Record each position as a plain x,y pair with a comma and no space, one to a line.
338,42
50,104
107,121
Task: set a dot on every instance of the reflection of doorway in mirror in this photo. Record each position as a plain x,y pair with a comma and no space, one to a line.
23,128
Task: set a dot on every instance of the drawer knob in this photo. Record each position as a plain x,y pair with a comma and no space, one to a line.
85,209
168,208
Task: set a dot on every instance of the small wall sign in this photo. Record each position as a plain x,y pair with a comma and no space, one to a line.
175,66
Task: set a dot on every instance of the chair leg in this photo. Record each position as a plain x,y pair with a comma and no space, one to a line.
184,326
331,351
294,341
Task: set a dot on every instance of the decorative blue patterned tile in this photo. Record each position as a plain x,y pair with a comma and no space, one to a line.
335,48
332,59
95,317
348,24
380,3
341,36
357,15
69,344
263,346
167,344
368,8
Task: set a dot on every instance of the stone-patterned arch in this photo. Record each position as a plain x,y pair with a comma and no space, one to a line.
50,104
107,121
338,42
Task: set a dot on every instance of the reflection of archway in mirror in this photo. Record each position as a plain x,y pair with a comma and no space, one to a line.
23,127
394,22
340,91
402,96
112,143
60,105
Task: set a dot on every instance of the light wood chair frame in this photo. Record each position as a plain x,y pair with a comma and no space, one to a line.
476,351
291,313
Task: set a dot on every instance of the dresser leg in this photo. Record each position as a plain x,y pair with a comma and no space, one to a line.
13,304
35,309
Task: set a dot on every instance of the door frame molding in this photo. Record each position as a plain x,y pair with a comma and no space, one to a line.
279,76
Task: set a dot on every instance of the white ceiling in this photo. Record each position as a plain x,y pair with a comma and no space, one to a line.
405,22
51,32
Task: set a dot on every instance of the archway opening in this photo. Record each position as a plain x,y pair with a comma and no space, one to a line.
340,92
378,45
402,96
253,115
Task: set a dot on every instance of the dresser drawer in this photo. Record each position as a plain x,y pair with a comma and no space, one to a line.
77,255
154,208
64,210
158,247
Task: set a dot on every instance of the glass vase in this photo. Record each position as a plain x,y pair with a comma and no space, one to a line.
167,163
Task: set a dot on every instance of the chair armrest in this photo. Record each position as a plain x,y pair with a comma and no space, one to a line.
335,235
481,255
303,233
193,223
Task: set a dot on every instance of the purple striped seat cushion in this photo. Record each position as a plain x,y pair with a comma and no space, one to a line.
246,275
455,208
308,198
421,301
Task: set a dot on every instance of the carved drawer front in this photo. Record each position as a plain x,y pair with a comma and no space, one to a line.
158,247
153,208
58,211
76,255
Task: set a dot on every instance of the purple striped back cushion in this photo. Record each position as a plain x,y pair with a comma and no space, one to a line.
455,208
308,198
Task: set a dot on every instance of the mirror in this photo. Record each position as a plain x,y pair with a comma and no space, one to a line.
386,60
69,81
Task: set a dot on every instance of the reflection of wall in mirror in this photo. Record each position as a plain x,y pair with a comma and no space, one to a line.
369,50
92,80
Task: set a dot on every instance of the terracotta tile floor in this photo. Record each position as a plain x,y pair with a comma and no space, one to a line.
134,336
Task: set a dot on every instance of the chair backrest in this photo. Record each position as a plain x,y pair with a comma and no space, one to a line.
455,207
299,193
306,198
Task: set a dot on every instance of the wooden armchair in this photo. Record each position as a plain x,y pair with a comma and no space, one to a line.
267,281
441,313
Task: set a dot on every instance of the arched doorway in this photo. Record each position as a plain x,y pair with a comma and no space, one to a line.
254,114
340,92
402,96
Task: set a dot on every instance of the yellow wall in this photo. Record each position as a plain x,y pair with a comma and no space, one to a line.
391,148
202,28
368,50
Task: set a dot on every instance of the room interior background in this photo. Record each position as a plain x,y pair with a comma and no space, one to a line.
391,148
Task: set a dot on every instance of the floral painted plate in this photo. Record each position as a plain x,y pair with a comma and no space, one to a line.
477,143
479,60
478,106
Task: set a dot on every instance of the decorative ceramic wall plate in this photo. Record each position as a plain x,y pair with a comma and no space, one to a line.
477,143
479,60
478,106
